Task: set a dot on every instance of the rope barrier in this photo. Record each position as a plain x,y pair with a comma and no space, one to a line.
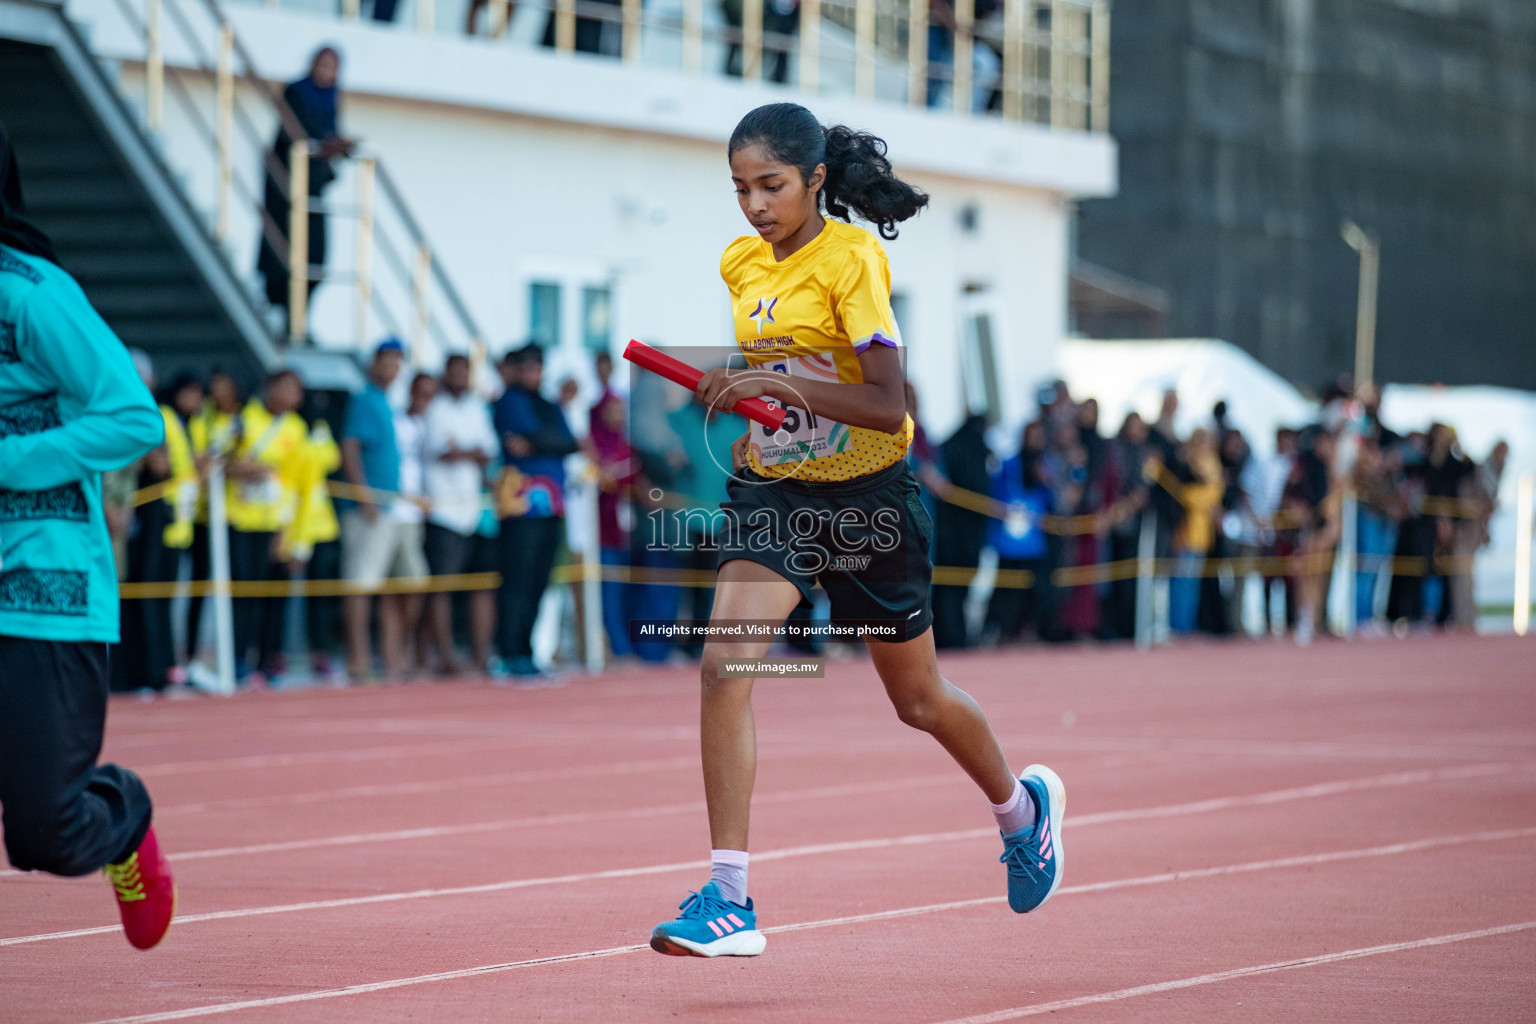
1273,566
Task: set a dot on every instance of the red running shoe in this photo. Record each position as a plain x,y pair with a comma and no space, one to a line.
146,893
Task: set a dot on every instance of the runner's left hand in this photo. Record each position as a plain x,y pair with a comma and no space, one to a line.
722,389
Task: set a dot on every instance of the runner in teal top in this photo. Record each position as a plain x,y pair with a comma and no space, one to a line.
71,405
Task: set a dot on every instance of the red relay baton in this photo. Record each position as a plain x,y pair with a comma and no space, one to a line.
679,372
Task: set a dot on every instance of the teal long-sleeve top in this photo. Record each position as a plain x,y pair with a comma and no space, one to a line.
71,406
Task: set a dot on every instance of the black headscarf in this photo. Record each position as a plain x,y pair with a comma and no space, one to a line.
15,230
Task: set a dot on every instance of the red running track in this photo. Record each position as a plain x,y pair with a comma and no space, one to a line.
1256,832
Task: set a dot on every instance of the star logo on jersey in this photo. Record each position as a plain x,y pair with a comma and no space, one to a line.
763,313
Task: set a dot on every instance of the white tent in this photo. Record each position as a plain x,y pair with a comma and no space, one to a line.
1131,376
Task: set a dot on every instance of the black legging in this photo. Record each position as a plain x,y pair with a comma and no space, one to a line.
1012,608
148,652
258,620
64,813
322,613
527,549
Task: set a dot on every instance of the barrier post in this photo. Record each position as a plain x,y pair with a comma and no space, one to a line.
592,588
1523,556
864,48
565,26
965,18
1098,119
218,564
225,91
810,44
1146,568
1348,563
362,260
631,31
421,314
298,241
917,53
693,35
1058,64
752,40
154,67
1013,58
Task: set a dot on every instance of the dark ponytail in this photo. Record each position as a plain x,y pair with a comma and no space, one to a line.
859,176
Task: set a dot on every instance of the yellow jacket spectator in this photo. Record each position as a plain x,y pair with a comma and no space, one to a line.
214,431
315,520
181,490
267,468
1201,497
266,472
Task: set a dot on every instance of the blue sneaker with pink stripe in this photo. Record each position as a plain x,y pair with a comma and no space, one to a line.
710,925
1033,855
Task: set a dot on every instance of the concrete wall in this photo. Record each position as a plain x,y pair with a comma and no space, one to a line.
1248,130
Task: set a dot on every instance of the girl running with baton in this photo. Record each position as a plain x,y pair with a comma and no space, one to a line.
828,498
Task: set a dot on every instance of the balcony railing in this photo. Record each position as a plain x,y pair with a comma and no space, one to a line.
225,158
1034,61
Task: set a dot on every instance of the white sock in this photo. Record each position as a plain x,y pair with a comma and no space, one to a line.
728,870
1016,813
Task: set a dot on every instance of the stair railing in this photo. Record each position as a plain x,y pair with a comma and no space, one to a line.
398,281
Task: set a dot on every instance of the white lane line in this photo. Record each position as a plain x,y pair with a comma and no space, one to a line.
1239,972
377,986
854,789
1109,744
884,915
255,761
918,839
569,818
391,789
1281,749
1317,790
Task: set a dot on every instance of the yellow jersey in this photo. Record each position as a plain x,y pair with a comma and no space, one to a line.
314,521
182,489
211,433
268,504
810,316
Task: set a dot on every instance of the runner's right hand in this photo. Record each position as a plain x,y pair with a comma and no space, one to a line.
739,451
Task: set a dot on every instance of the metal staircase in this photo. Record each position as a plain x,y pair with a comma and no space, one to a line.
121,226
161,270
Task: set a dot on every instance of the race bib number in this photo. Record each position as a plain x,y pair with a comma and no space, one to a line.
804,435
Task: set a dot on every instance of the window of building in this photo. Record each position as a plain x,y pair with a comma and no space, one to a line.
597,318
544,313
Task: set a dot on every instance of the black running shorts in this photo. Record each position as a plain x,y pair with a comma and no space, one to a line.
864,540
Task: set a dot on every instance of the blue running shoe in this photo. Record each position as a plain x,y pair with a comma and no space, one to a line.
709,925
1034,855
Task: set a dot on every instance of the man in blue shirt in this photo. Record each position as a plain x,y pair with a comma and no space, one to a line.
370,538
71,406
530,501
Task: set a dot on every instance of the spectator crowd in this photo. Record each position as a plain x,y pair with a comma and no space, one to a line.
1073,510
398,519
